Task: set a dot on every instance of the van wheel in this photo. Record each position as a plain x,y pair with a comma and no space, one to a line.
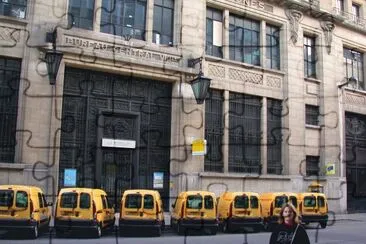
98,231
323,224
34,232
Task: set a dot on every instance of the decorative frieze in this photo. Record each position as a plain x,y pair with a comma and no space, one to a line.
245,76
8,34
355,99
273,81
115,50
216,71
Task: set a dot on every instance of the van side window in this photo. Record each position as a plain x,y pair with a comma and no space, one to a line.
209,204
293,200
133,201
21,199
84,200
44,200
148,202
104,202
194,202
254,202
69,200
321,202
6,198
40,200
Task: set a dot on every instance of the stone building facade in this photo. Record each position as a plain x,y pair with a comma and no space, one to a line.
287,96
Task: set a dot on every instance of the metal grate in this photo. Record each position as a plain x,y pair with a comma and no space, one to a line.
9,86
312,115
244,133
13,8
312,166
214,131
274,136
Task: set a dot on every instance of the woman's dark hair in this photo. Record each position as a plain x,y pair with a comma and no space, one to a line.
295,216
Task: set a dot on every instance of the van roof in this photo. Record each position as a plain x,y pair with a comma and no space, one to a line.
141,191
241,193
198,192
79,189
20,187
311,193
279,193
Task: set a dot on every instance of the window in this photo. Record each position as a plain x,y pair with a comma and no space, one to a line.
194,202
214,131
40,200
272,47
355,12
69,200
244,133
312,165
340,6
309,202
133,201
6,198
244,40
274,136
21,199
124,18
148,202
321,202
81,14
241,202
280,201
13,8
254,202
104,202
311,115
293,200
9,85
214,32
309,57
163,22
44,200
209,204
353,66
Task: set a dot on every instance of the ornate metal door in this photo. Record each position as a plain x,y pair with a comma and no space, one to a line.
356,161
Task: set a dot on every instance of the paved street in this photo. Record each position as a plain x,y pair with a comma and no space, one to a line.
347,230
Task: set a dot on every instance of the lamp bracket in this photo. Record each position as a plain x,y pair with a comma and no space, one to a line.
51,37
193,61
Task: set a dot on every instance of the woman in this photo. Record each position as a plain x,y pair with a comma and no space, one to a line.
289,231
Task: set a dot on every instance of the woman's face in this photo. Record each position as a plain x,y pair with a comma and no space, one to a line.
288,213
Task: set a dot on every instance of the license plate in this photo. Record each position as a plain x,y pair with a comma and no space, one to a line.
131,213
68,213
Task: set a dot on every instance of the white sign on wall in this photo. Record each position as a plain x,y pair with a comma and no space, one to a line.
117,143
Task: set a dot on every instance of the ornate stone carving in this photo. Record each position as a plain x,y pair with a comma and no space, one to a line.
273,81
355,99
328,27
295,18
216,71
9,35
244,75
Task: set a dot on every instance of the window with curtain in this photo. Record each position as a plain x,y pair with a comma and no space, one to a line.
244,40
163,22
81,14
124,18
272,47
214,32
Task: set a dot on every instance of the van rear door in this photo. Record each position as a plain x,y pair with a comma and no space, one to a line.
14,204
76,204
132,205
193,206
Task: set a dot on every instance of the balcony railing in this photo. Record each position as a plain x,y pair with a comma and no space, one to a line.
312,2
350,18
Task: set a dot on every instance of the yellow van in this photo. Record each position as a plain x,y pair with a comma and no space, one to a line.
238,210
23,208
141,209
313,208
195,210
272,203
83,209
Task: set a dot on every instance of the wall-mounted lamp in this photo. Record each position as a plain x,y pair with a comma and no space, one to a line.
200,84
53,57
352,81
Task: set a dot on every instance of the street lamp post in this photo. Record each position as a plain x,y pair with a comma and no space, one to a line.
200,84
53,58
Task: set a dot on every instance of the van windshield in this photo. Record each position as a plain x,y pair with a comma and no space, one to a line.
280,201
133,201
6,198
21,199
69,200
241,202
194,202
309,201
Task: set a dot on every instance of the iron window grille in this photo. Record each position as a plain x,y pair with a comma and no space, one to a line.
244,133
272,47
353,65
244,40
163,22
214,131
312,166
13,8
312,115
124,18
212,16
9,86
309,57
81,14
274,136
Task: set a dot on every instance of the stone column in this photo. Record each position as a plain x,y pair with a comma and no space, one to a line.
262,43
149,21
225,148
98,15
264,157
226,33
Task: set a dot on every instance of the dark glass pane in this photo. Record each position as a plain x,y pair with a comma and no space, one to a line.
6,198
21,199
194,202
69,200
84,200
309,201
133,201
241,202
254,202
148,202
209,204
280,201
